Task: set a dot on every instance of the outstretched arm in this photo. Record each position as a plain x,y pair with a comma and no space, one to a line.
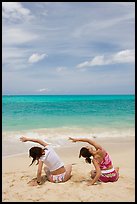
26,139
91,142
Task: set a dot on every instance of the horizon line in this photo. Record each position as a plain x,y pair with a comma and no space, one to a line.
63,94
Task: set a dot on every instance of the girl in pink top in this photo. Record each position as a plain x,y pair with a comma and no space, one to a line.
104,170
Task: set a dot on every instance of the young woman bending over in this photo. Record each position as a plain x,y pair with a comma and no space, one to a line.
104,170
54,167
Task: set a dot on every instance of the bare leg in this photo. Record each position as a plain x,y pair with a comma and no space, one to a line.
68,172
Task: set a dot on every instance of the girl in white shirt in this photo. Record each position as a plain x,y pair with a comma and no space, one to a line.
54,167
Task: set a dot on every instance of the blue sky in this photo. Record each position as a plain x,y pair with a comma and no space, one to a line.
68,48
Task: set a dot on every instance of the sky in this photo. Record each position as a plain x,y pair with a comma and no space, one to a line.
68,48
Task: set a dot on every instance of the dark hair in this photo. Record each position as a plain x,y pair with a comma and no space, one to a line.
85,153
35,152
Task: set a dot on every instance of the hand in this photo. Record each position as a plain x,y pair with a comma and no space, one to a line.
90,183
23,139
73,139
33,182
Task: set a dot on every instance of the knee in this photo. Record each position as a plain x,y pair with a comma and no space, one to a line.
93,173
117,169
68,168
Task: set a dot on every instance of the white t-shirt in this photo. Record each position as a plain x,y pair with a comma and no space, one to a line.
51,159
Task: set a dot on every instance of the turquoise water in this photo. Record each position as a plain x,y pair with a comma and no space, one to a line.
36,112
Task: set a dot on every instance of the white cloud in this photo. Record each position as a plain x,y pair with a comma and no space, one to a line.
43,90
14,36
15,11
60,69
124,56
36,57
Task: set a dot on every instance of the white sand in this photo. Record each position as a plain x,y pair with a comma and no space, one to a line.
16,174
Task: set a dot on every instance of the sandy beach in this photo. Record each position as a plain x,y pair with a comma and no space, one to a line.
16,176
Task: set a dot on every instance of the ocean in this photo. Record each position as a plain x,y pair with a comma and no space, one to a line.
56,117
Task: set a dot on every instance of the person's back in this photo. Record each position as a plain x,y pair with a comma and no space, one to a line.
51,159
106,162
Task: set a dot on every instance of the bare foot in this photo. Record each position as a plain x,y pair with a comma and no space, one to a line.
117,169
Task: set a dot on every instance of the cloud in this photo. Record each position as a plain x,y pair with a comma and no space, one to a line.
124,56
14,36
60,69
43,90
15,11
36,57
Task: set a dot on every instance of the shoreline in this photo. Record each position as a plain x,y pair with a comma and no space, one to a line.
16,174
59,136
67,144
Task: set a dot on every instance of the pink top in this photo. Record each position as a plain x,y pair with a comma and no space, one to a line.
106,162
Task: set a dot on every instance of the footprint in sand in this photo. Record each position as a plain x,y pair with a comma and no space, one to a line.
22,177
11,185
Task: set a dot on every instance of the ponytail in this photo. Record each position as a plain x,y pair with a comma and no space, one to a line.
32,161
88,160
35,153
85,153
